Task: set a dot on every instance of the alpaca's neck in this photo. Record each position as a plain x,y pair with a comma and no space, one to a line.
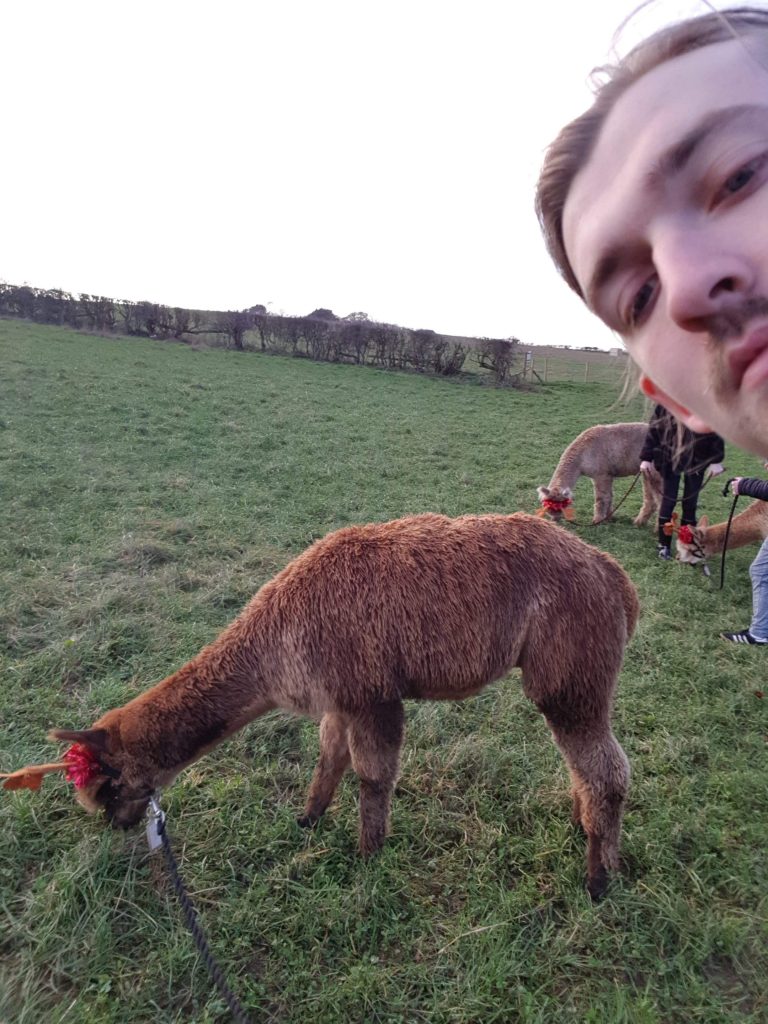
748,527
567,471
206,700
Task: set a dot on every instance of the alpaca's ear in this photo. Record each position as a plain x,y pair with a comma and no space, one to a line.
97,739
703,523
543,492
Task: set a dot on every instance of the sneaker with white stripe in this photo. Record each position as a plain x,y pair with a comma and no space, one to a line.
743,637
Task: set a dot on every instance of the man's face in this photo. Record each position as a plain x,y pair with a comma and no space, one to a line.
666,227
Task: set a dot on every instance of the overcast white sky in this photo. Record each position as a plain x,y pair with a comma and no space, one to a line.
351,154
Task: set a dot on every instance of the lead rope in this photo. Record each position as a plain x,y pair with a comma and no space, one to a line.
158,836
637,477
727,530
617,507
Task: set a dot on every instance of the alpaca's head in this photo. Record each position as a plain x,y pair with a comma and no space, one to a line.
116,786
692,552
552,497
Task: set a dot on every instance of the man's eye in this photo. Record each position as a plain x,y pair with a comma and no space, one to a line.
641,303
739,180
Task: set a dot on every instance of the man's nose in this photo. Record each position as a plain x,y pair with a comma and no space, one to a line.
701,279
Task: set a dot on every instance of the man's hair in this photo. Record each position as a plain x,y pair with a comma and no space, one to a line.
572,148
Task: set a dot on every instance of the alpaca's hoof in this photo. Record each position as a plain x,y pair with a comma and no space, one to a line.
597,885
369,846
307,821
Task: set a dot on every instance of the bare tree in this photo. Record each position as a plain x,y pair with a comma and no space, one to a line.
234,324
498,356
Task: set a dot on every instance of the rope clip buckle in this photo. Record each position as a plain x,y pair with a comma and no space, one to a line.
155,824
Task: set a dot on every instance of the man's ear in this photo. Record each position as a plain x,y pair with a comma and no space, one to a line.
690,419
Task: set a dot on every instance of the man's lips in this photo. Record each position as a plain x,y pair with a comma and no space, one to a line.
748,359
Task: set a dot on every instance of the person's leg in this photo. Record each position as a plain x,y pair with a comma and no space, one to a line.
669,484
758,572
692,484
758,630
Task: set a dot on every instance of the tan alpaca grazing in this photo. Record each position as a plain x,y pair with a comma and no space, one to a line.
603,453
422,608
748,527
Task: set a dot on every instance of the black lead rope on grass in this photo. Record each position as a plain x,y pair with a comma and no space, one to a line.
158,836
727,529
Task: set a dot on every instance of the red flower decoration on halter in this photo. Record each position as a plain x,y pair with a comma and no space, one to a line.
685,534
552,505
671,527
82,765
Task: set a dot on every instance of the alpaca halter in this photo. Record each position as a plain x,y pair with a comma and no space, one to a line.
685,536
552,505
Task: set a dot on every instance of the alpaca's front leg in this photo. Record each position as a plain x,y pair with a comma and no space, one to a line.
603,498
331,765
375,739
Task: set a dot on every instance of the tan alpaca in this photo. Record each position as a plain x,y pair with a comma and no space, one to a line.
422,608
748,527
603,453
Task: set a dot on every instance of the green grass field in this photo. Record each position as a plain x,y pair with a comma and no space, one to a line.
147,491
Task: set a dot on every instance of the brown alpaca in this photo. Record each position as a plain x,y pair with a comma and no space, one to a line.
748,527
604,452
425,608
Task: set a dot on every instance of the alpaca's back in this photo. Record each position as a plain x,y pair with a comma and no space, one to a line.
607,449
434,607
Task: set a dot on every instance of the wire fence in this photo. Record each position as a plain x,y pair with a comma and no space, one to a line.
605,369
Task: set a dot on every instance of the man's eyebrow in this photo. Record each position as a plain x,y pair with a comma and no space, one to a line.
672,161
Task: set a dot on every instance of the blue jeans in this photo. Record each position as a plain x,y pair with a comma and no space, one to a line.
758,571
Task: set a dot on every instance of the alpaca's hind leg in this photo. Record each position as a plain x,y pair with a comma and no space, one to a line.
331,765
603,486
649,502
375,738
600,776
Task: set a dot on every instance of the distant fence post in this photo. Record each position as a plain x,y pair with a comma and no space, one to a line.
546,368
586,372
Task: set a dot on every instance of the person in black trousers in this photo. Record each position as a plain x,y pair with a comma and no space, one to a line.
676,451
